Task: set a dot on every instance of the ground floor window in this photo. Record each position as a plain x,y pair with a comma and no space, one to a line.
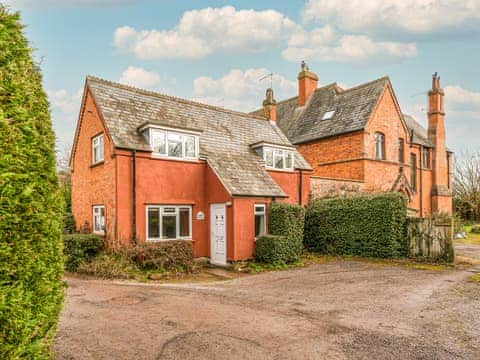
169,222
260,217
99,219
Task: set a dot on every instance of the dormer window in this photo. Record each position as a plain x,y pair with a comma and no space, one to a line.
278,159
177,144
328,115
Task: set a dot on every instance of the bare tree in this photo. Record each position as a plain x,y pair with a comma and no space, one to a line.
466,188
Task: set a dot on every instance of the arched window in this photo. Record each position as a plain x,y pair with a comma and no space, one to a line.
379,146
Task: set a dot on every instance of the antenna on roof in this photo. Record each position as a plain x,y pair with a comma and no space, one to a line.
266,76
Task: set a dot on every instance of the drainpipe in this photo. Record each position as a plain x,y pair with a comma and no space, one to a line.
300,190
421,181
134,197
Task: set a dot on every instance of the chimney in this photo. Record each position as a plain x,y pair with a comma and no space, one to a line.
307,83
270,105
436,134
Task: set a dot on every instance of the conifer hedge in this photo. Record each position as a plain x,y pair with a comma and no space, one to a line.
31,290
368,226
287,220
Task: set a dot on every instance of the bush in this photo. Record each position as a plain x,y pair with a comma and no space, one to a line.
80,248
31,262
163,255
368,225
275,249
288,220
475,229
110,266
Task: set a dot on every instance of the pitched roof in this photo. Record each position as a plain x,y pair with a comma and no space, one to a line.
225,137
352,110
420,134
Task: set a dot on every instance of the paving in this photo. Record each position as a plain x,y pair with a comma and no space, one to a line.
336,310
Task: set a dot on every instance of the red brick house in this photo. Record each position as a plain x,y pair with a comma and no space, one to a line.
150,167
358,139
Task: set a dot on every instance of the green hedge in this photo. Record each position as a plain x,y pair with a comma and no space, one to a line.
275,249
31,261
369,226
163,255
287,220
79,248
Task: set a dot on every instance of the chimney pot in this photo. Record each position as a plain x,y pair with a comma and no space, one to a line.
307,83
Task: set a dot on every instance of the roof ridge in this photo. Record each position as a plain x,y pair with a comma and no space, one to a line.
383,78
173,98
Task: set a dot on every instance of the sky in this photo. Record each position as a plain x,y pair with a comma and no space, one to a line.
217,52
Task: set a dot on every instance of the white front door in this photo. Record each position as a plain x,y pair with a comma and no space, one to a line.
218,234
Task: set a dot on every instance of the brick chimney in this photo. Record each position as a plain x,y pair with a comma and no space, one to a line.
307,83
441,194
270,106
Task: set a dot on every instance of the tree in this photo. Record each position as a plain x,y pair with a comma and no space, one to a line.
466,190
31,262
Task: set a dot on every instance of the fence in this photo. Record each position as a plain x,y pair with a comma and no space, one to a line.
430,240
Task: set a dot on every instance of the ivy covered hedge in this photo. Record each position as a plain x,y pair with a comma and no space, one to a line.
80,248
368,226
163,255
285,242
31,261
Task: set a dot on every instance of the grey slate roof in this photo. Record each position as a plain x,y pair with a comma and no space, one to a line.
352,110
225,139
420,134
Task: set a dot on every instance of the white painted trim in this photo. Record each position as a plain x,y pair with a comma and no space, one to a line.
181,133
99,136
264,143
170,128
264,216
212,243
94,207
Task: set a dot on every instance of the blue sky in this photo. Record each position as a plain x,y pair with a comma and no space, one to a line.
216,51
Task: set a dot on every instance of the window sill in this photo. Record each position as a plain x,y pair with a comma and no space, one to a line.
97,164
99,233
280,170
166,240
164,157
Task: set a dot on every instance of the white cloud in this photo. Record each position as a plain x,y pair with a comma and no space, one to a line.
412,16
202,32
64,101
241,90
140,78
455,95
324,44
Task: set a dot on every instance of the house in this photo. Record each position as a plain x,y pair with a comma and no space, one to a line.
151,167
358,140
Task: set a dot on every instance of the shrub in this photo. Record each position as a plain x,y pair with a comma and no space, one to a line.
368,225
163,255
288,220
110,266
475,229
80,248
275,249
31,262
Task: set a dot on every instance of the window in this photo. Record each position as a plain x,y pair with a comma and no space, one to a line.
97,149
169,222
260,224
426,158
401,151
174,144
99,219
328,115
279,159
379,146
413,171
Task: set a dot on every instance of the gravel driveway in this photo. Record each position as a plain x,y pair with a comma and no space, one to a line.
337,310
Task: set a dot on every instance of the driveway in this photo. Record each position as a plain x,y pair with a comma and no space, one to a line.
337,310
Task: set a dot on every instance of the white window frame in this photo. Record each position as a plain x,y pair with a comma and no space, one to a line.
183,134
263,213
278,152
98,142
161,213
94,215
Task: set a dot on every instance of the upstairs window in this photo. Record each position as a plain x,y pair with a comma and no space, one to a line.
97,149
279,159
174,144
99,219
413,171
401,151
260,217
426,158
379,146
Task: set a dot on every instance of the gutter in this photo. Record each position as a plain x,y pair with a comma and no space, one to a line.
134,197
